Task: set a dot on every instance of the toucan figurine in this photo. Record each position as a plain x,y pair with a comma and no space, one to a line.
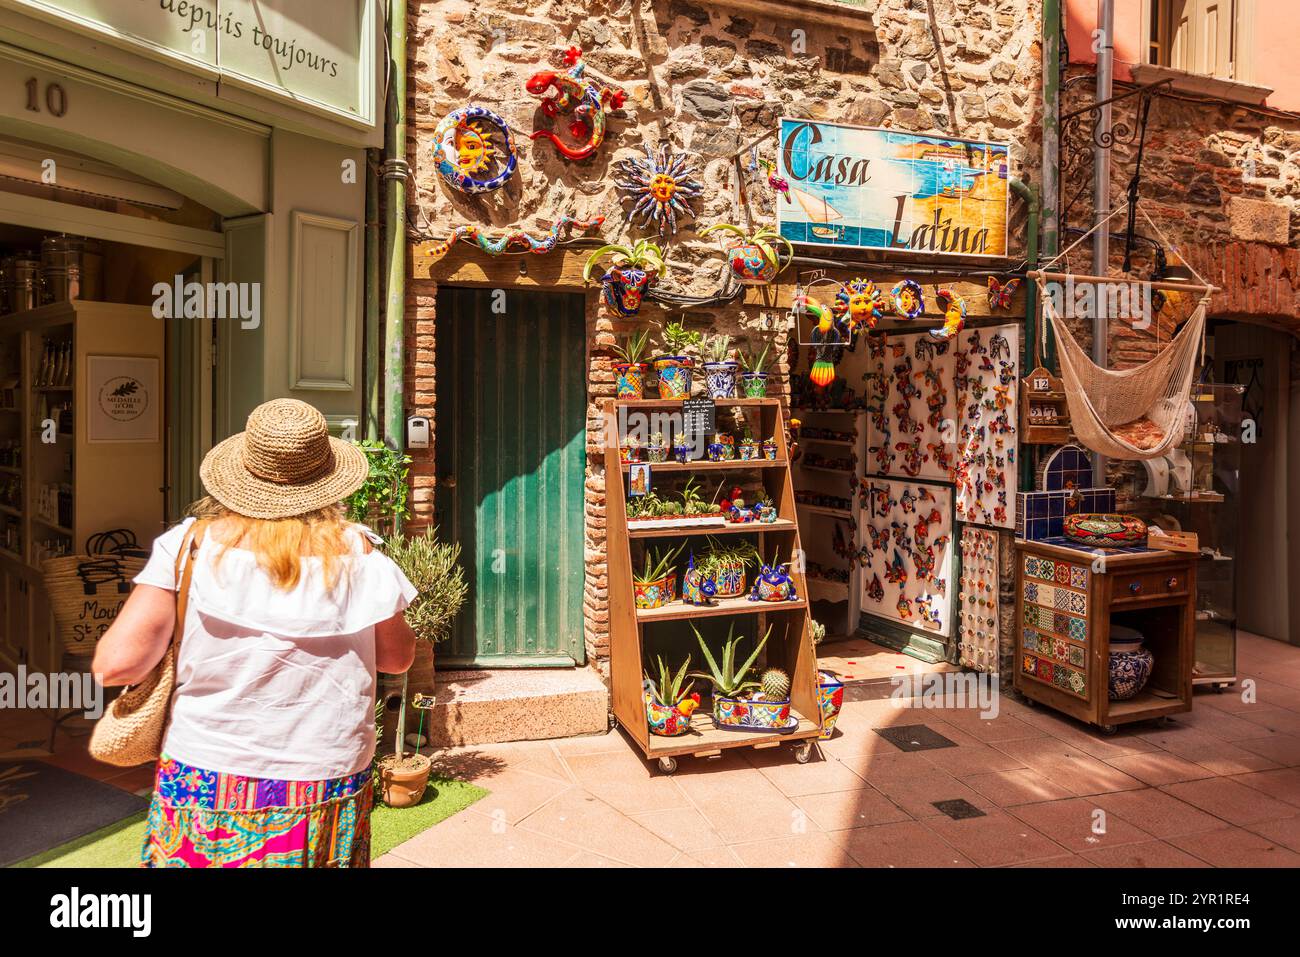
826,337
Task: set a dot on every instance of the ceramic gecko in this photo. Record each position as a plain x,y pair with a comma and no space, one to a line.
587,101
496,245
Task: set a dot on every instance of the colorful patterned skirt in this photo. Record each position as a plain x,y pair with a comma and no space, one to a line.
201,818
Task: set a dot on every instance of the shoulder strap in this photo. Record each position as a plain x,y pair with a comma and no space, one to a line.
185,556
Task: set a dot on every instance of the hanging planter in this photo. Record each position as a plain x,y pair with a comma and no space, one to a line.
753,257
634,270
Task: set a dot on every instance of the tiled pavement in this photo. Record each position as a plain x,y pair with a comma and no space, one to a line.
1218,786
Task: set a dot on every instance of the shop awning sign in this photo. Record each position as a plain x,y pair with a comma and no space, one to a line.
294,49
863,188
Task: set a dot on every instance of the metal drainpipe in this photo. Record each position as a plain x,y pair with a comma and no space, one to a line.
1101,198
1050,196
373,340
1030,196
395,172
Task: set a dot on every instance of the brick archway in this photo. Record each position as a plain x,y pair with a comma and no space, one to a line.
1259,283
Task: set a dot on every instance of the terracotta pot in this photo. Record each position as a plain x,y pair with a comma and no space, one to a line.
405,787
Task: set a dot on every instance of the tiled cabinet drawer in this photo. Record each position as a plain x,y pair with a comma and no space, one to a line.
1150,584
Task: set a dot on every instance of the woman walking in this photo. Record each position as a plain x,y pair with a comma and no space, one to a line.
288,614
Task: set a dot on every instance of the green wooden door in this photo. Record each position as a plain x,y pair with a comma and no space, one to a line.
510,438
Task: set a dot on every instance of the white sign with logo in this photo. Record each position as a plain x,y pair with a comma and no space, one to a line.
292,48
123,398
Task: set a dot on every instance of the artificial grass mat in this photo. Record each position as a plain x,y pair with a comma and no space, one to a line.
118,845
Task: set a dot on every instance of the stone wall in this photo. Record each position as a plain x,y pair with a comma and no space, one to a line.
1222,182
710,78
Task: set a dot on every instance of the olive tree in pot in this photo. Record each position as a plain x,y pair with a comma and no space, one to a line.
433,567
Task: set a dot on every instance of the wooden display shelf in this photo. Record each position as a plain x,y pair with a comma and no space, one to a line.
731,528
704,740
704,465
680,610
632,630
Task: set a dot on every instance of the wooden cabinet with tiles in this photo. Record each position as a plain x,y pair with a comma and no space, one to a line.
1068,599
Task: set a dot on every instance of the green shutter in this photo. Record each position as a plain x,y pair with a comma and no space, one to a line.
511,429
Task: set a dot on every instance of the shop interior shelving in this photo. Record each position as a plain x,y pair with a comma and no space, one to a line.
838,604
105,485
1209,505
634,632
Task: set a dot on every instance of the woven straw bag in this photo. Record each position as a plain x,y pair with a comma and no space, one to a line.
131,730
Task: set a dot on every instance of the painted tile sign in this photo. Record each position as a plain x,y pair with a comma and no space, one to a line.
882,189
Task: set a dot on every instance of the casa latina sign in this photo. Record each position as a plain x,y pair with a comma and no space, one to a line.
292,49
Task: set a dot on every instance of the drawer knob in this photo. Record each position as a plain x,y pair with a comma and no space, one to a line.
1171,584
1135,588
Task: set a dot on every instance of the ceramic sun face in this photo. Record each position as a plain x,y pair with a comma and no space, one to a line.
661,186
474,152
863,298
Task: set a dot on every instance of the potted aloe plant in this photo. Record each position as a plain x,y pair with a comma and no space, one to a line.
753,380
753,257
736,705
656,583
669,703
719,366
635,269
631,370
674,366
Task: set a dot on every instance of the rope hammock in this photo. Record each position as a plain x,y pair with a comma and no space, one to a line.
1134,413
1137,413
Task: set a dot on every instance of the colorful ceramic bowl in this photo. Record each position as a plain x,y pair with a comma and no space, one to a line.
1105,530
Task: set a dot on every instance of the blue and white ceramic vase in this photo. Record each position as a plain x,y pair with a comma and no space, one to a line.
720,378
1130,663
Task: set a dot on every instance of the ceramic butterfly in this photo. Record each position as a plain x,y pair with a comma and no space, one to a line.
1000,293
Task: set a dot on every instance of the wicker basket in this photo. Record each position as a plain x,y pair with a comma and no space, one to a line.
87,591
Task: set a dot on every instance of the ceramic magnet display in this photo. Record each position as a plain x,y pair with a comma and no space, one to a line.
574,94
660,187
907,569
977,600
474,150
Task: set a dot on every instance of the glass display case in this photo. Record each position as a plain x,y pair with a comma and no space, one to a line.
1195,488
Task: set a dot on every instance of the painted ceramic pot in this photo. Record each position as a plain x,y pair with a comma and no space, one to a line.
654,594
830,699
623,288
729,581
767,514
656,453
769,449
674,374
763,715
722,448
748,451
720,378
754,384
697,588
631,379
1130,664
750,264
629,453
665,721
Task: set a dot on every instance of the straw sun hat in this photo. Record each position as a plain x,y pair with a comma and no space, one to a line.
285,463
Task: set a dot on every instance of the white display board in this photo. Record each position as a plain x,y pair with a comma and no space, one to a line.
907,550
947,411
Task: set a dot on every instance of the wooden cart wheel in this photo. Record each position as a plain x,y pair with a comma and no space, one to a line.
667,765
803,751
1109,729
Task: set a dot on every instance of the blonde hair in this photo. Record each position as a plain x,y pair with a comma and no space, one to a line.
280,544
